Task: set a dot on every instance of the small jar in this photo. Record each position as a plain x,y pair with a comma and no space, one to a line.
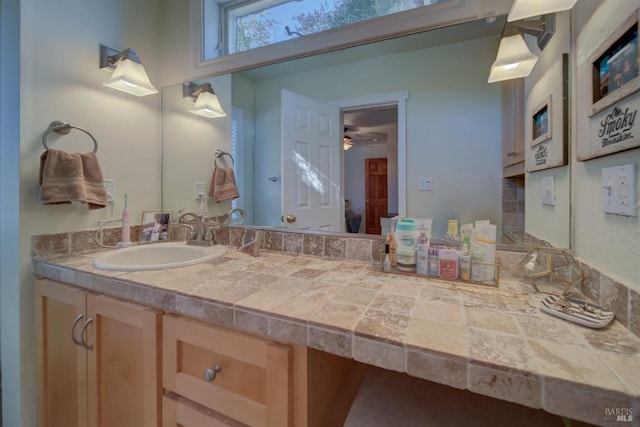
406,260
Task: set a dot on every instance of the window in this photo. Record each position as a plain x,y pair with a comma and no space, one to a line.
249,24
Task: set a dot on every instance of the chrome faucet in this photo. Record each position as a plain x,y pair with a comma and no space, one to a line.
230,213
201,237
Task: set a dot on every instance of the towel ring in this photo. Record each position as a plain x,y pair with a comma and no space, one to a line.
220,153
63,128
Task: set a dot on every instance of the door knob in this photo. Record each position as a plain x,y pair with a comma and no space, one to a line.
291,218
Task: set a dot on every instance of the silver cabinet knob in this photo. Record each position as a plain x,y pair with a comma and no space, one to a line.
210,374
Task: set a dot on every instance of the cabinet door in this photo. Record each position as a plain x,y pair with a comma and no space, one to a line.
252,382
513,119
123,364
61,364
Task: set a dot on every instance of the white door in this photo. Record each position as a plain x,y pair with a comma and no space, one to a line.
311,196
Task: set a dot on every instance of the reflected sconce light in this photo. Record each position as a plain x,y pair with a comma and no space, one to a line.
207,103
514,59
128,73
347,144
523,9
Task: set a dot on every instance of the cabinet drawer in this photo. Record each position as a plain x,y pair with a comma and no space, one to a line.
254,381
180,413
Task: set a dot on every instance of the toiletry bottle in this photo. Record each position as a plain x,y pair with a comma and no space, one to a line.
477,267
422,255
126,230
433,262
448,264
465,266
386,263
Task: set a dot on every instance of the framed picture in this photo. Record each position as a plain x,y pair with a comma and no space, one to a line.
547,110
154,226
541,123
608,79
614,66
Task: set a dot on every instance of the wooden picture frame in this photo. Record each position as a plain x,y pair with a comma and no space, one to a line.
547,109
607,81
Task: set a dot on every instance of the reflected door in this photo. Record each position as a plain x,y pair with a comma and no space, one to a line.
376,198
310,164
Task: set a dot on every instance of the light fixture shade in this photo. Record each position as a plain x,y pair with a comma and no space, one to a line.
208,105
514,60
130,76
522,9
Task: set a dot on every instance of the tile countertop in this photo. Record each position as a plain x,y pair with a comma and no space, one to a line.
491,341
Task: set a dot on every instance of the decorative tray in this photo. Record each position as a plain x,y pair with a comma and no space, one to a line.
574,310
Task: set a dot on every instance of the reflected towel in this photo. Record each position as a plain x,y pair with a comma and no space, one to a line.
223,184
353,221
71,178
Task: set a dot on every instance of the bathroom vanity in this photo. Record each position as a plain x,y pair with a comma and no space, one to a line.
286,338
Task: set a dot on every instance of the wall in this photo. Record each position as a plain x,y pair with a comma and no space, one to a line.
453,127
60,80
10,333
609,243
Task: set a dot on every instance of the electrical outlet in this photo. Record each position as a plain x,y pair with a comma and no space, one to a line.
110,189
198,189
619,190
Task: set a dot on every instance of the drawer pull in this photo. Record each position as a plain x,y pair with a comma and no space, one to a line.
210,374
73,330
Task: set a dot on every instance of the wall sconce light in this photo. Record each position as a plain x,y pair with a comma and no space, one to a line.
522,9
128,73
514,59
347,144
207,103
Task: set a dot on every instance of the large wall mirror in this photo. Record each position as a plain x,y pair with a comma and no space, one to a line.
419,101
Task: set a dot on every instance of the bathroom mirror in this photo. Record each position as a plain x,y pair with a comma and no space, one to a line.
448,126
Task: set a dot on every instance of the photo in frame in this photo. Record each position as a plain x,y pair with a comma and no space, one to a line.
541,123
154,226
546,130
611,75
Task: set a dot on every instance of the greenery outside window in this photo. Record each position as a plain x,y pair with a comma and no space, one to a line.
249,24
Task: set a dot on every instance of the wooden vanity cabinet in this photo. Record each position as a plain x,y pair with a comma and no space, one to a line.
245,378
97,359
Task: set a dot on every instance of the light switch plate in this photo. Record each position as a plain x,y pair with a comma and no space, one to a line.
548,187
619,190
425,184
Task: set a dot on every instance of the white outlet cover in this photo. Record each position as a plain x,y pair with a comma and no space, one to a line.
110,188
619,190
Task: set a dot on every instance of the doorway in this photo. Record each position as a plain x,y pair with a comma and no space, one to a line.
370,162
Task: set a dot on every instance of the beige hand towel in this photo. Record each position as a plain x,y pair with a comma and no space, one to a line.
223,184
71,178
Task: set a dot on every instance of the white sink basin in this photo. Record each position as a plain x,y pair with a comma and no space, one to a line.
157,256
